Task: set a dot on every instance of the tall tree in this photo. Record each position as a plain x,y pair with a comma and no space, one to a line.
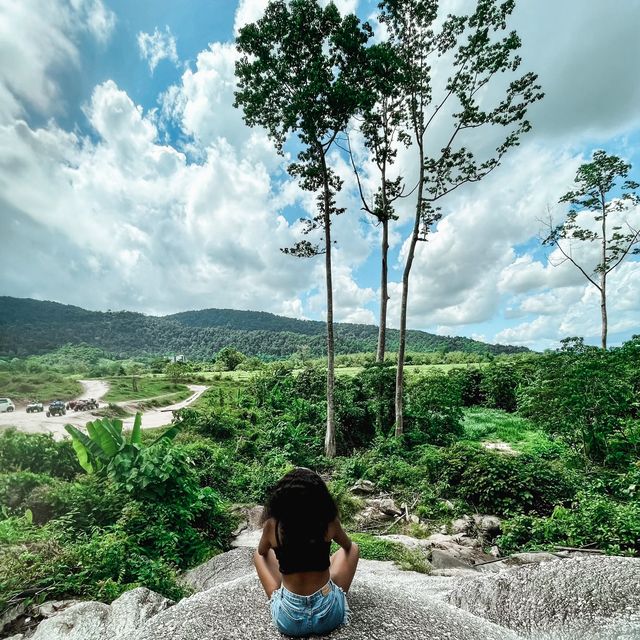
594,183
300,73
472,53
382,130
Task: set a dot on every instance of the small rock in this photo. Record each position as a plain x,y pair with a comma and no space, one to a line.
488,526
518,559
385,505
447,504
444,560
462,525
53,607
414,518
494,551
363,488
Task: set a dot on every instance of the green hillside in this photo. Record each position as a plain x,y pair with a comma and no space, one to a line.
29,327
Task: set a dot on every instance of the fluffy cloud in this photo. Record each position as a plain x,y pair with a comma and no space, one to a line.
140,226
38,39
157,46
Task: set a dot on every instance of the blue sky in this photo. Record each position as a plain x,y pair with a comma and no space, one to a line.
130,182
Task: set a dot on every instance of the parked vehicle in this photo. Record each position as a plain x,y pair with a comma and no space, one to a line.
56,408
83,405
35,407
6,405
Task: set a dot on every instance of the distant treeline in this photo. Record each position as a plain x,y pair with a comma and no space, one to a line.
29,327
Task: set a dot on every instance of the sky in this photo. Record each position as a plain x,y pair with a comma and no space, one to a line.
128,180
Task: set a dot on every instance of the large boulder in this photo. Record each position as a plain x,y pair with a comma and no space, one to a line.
99,621
583,597
238,610
223,568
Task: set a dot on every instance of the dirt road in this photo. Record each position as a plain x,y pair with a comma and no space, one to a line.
162,416
39,423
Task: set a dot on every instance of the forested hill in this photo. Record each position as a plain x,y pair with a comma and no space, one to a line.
30,326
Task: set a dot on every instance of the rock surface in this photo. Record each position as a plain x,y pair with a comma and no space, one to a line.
98,621
583,597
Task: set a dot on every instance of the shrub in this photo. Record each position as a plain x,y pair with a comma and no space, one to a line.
469,381
502,484
433,410
16,486
38,453
592,519
588,398
499,385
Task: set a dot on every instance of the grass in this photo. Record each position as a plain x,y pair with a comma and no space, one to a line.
43,386
121,388
495,425
374,548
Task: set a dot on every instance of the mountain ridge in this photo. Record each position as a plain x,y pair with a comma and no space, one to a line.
30,327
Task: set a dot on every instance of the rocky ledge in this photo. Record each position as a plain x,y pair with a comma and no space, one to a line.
575,598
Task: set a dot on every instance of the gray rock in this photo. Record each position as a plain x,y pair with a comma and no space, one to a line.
18,636
133,608
54,607
488,526
99,621
518,559
444,560
380,611
462,525
223,568
363,488
583,597
83,621
385,505
248,539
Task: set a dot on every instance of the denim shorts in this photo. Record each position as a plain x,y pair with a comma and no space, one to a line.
319,613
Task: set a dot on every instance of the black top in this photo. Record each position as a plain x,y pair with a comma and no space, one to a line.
310,555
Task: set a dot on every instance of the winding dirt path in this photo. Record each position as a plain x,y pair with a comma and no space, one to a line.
39,423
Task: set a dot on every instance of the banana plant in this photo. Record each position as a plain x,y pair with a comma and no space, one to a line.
104,441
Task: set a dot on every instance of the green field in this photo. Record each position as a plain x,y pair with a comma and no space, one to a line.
43,386
494,425
121,388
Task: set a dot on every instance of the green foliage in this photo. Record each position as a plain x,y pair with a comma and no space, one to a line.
497,483
592,519
152,471
43,386
36,327
372,548
433,410
39,453
120,388
588,397
229,358
17,485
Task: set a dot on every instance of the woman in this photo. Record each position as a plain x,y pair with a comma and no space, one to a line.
306,587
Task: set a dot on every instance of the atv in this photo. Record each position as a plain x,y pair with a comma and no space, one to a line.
56,408
35,407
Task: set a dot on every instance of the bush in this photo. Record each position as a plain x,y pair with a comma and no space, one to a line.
38,453
433,410
16,486
592,519
588,398
469,381
502,484
499,385
85,504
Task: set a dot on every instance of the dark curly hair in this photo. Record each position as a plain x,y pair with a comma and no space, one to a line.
302,506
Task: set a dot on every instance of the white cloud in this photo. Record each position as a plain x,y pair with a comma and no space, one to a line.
157,46
38,39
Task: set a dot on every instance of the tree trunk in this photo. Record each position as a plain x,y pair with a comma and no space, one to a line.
384,295
403,309
603,309
603,273
330,436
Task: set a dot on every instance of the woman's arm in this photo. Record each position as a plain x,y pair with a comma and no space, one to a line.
340,535
266,539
